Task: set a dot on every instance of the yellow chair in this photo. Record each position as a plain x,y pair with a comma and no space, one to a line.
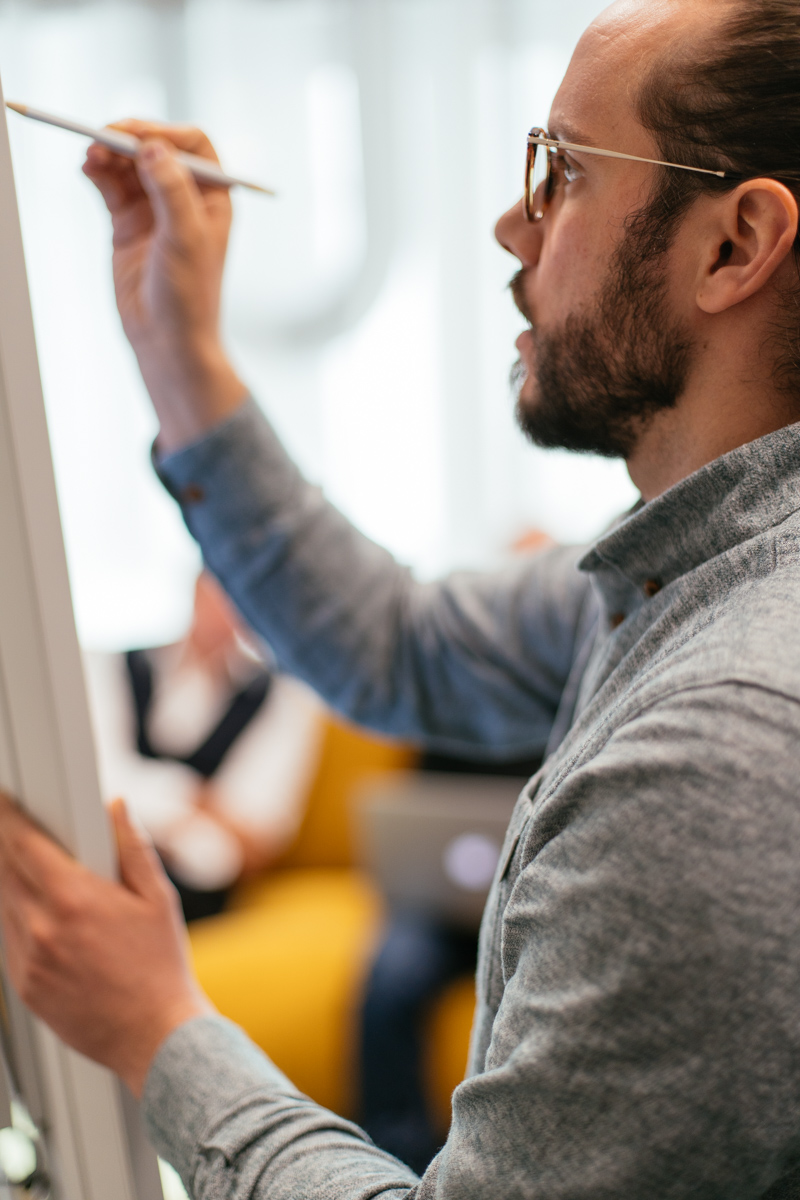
289,958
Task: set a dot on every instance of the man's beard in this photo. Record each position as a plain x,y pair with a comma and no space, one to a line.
603,376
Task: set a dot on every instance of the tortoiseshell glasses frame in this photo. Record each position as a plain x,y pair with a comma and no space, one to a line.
542,168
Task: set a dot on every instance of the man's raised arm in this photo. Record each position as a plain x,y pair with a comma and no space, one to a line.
475,665
170,242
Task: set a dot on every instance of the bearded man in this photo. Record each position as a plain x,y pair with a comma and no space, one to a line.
637,1031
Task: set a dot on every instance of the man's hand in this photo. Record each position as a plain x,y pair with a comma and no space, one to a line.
170,240
104,964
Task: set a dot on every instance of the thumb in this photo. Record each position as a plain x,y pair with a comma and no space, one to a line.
139,866
171,190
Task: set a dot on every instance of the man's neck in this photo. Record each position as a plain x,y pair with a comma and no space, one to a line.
707,422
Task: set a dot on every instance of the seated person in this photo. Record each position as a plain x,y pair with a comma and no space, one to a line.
214,753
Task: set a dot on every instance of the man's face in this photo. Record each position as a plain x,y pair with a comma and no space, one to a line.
601,376
610,342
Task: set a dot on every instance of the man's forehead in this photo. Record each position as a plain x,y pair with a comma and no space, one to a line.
596,101
635,23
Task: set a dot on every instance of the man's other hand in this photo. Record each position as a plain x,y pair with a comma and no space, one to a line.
104,964
170,241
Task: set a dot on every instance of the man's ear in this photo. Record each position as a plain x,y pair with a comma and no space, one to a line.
751,232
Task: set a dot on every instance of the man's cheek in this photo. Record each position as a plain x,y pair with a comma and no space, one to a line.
570,271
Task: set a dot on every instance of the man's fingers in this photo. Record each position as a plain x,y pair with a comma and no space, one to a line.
114,176
28,854
110,184
28,930
183,137
172,192
15,907
139,866
100,159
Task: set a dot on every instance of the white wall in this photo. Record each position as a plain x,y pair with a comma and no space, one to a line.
366,306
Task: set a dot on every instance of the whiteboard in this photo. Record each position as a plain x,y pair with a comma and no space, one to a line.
93,1145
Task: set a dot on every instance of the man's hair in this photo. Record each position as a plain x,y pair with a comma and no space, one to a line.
730,103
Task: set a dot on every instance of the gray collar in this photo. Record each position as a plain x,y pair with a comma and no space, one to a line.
727,502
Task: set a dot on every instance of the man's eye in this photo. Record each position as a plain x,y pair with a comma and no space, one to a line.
568,170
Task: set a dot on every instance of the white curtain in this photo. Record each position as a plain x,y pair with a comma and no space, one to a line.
366,306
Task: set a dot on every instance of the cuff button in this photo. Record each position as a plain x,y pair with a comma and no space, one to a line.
192,494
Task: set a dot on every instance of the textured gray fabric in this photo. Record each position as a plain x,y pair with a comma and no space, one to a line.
241,1129
638,1022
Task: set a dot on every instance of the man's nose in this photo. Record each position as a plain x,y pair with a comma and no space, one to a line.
520,237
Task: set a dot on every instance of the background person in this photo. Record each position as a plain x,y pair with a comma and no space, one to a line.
637,1026
214,751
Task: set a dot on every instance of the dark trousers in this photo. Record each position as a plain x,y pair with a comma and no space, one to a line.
416,960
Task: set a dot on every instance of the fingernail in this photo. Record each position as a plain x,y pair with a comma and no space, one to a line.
153,153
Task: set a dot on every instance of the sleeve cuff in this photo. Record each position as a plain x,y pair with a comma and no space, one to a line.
203,1073
234,486
179,470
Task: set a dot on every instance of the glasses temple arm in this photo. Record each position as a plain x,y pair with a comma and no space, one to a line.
655,162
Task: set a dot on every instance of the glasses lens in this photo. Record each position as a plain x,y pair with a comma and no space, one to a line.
537,173
539,169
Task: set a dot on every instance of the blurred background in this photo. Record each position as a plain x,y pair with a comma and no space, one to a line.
366,306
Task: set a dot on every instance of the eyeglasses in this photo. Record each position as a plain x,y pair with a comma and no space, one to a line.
546,161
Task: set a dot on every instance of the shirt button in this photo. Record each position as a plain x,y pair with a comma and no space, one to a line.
192,494
616,620
651,588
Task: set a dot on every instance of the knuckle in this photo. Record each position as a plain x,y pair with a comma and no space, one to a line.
67,905
174,183
167,893
34,984
168,902
197,139
139,127
43,938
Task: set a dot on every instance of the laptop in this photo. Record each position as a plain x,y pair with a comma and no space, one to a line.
432,840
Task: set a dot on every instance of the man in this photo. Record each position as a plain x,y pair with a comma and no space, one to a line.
638,1027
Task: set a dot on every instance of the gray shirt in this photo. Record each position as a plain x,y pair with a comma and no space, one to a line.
637,1032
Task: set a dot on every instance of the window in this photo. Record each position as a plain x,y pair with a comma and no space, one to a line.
365,306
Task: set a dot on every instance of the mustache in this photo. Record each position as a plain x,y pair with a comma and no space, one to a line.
516,288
